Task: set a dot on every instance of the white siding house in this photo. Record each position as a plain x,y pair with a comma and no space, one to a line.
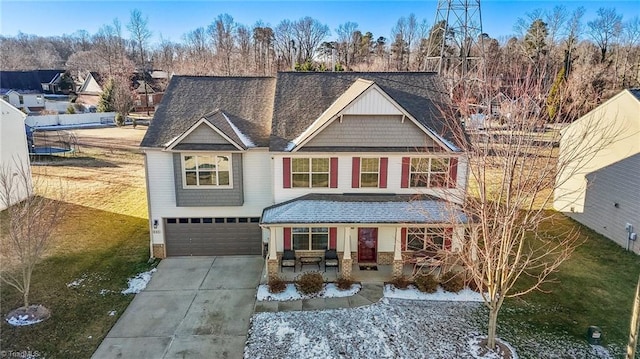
14,155
355,165
598,185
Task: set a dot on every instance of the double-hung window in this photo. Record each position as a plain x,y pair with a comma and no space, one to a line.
429,172
369,172
419,238
207,170
314,238
310,172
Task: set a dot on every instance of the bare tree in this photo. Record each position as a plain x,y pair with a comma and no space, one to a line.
285,44
604,29
345,42
222,32
513,173
28,226
140,34
309,34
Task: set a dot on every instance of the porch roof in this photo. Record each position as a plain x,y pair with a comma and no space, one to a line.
363,208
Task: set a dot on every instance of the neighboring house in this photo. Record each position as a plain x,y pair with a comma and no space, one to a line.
600,185
14,155
146,90
26,89
357,162
91,89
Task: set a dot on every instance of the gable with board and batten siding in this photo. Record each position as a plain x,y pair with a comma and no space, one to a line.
367,119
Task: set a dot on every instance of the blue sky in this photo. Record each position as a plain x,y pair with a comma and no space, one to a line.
171,19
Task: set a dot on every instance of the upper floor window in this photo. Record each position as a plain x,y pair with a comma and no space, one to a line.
429,172
207,170
426,238
315,238
369,172
21,99
310,172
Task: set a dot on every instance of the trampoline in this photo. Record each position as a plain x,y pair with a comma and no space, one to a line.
44,151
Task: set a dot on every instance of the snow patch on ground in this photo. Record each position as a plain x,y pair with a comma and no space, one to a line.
465,295
139,282
290,293
476,349
78,282
395,328
23,320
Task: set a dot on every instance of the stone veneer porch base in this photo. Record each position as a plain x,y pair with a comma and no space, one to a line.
158,251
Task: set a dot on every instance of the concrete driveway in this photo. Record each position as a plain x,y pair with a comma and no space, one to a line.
194,307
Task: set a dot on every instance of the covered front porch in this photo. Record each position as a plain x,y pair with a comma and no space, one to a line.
373,237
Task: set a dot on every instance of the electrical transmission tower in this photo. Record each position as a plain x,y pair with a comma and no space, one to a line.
456,48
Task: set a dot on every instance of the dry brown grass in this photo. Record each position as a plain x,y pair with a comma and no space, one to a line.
105,173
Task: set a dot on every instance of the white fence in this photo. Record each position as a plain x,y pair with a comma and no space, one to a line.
68,119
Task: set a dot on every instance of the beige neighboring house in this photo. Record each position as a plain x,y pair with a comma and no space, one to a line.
14,155
600,185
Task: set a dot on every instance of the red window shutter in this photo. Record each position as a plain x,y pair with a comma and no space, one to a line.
333,172
406,163
453,172
287,238
355,173
286,172
448,236
333,238
384,164
403,238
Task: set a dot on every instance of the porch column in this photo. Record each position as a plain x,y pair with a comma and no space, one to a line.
272,262
347,262
398,263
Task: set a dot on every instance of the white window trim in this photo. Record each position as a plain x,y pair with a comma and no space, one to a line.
184,172
310,236
441,230
310,173
428,180
362,172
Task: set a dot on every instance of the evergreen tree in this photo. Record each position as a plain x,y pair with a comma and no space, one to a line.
554,99
105,103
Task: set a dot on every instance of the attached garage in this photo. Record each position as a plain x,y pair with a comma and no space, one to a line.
213,236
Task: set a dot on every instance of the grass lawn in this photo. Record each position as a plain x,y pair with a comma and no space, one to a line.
594,287
102,241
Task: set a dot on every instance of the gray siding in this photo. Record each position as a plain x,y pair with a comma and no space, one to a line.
371,131
617,183
204,134
209,197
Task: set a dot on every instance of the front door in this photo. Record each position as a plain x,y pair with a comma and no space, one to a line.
367,245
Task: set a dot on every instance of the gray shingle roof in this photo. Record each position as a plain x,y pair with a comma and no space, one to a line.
363,208
273,111
247,101
26,80
301,97
636,93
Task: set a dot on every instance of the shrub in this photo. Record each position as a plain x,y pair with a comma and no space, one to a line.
119,119
426,283
401,282
344,283
276,284
309,283
452,282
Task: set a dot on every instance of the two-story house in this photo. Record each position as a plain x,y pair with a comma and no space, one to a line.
358,162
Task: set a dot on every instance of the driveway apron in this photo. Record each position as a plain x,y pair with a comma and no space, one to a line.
193,307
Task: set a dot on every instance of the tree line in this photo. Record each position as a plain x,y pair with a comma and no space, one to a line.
594,59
